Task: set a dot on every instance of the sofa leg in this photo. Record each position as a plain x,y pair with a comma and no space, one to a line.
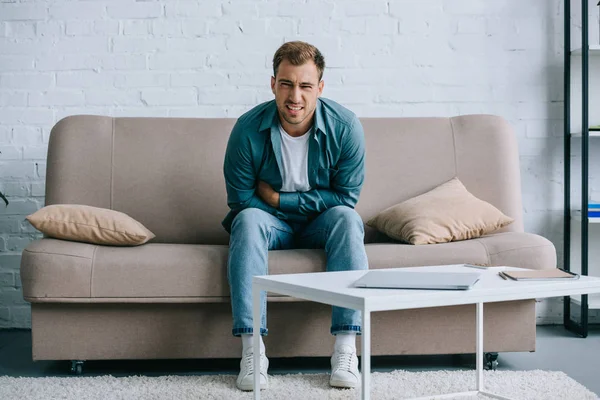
491,361
77,367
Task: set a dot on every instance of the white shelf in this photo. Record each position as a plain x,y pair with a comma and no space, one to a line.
592,134
594,51
593,301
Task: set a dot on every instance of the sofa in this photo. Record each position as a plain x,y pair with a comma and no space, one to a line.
169,298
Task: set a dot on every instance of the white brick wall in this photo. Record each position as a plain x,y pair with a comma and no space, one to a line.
212,59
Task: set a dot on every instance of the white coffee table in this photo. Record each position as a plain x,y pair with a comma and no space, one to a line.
334,288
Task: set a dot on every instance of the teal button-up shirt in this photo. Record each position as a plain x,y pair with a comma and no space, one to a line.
336,162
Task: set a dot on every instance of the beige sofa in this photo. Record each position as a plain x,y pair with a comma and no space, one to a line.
170,298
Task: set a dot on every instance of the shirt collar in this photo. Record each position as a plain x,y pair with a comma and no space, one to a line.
271,118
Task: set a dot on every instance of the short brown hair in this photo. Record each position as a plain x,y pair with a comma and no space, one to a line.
298,53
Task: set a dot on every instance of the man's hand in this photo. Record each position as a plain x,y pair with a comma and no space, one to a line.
266,192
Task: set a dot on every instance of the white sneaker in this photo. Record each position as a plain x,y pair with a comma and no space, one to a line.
245,380
344,368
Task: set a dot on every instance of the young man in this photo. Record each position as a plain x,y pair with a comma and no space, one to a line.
294,169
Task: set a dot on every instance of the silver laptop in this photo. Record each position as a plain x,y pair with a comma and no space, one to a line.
399,279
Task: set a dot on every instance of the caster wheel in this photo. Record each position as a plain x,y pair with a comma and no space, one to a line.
491,361
77,367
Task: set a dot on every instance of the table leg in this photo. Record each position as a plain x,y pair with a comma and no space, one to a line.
366,354
479,357
256,338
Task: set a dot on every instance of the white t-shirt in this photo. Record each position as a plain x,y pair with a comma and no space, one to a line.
294,157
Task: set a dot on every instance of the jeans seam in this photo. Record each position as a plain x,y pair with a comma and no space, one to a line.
241,331
345,328
282,230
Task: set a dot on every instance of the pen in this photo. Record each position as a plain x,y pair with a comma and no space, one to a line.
475,266
502,275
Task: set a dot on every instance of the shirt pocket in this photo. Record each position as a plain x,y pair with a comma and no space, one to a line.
325,176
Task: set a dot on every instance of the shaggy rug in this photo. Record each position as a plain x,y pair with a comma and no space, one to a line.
542,385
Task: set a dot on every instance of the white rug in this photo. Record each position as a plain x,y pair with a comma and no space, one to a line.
542,385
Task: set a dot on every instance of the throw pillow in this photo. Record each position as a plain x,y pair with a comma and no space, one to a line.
447,213
89,224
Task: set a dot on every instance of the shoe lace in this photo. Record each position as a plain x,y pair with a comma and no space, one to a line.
249,362
344,361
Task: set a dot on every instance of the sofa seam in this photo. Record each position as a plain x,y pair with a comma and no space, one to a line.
92,269
520,248
487,251
454,147
58,254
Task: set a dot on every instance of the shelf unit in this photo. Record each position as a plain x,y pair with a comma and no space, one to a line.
578,226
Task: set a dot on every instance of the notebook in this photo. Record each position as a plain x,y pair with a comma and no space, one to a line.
540,275
399,279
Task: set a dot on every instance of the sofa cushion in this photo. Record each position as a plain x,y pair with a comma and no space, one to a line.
446,213
89,225
57,270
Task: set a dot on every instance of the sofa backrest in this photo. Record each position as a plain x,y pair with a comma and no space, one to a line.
167,173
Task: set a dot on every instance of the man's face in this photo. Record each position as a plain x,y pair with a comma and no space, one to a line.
296,89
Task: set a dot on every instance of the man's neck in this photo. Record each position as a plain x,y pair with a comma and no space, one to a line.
297,130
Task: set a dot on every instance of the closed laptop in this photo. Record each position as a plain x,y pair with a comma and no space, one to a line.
399,279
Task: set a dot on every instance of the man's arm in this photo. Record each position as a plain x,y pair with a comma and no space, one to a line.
240,179
346,185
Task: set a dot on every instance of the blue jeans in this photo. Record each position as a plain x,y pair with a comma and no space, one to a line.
339,230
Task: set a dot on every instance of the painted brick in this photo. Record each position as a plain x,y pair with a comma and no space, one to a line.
76,10
20,207
7,278
10,153
143,10
56,98
194,28
136,27
113,97
30,80
193,9
29,115
35,152
362,8
9,225
79,28
167,29
5,316
23,12
38,189
16,63
200,78
15,189
136,45
175,97
10,262
141,79
21,29
55,28
5,134
21,316
83,79
26,135
8,99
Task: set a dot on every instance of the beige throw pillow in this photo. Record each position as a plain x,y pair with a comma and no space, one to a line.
447,213
89,224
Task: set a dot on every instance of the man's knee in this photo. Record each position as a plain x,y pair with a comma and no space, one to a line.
346,216
249,219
